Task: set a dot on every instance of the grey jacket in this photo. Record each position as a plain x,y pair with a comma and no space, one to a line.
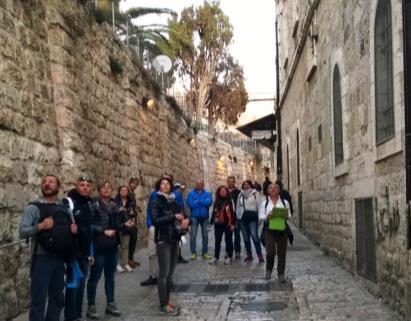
28,225
251,203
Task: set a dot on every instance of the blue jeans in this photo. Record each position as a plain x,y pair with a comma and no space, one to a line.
250,229
47,281
103,260
74,297
203,222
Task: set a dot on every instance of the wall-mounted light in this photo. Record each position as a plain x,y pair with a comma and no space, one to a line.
251,163
149,102
221,158
192,142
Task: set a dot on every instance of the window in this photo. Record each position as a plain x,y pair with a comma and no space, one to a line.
309,143
298,158
320,134
337,112
288,168
384,103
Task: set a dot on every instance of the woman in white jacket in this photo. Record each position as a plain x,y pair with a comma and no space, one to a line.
275,239
248,206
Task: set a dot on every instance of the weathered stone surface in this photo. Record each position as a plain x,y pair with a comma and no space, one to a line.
328,213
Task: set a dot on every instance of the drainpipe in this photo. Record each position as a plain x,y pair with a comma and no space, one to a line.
277,107
407,104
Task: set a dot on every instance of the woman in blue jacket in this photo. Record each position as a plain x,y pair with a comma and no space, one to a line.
199,201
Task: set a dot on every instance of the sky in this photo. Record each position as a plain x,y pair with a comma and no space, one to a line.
253,44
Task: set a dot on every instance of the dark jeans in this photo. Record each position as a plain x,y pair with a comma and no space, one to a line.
167,253
103,260
276,243
203,222
250,229
219,230
132,244
237,239
74,297
47,281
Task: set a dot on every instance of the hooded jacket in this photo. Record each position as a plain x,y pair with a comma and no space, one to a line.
252,202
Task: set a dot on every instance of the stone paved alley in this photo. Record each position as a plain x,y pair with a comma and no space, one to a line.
318,288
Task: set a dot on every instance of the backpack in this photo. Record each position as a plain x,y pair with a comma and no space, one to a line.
58,240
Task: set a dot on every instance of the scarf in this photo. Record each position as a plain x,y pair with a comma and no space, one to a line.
246,193
169,197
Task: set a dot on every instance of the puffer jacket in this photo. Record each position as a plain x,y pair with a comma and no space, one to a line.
199,203
106,217
163,213
250,203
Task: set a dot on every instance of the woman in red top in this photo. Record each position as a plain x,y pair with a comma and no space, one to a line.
223,220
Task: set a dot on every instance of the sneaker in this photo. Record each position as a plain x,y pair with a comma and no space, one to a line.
237,255
92,313
260,258
128,268
228,261
267,275
206,256
213,261
193,256
248,259
281,278
120,269
168,310
112,310
149,281
181,260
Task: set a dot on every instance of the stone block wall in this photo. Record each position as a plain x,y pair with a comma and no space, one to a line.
63,111
329,192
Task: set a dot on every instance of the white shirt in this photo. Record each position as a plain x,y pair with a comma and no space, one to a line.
265,210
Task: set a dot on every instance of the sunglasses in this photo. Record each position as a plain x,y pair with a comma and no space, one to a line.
85,179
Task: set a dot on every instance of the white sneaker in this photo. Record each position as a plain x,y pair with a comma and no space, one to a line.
213,261
128,268
227,261
120,269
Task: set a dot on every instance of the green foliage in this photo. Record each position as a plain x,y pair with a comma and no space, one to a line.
115,66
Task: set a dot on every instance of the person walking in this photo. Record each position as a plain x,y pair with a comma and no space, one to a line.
51,226
107,225
223,220
275,239
265,185
178,192
169,222
133,231
248,205
199,200
126,208
234,193
78,200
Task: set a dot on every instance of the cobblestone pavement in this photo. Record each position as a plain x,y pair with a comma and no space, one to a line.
318,288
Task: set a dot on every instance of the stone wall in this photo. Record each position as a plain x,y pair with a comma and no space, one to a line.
63,111
329,192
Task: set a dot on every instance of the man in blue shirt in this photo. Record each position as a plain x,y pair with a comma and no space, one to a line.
199,200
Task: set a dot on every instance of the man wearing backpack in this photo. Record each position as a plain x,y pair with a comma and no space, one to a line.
51,226
78,200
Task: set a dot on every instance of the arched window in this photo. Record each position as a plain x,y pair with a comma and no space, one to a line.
337,113
384,102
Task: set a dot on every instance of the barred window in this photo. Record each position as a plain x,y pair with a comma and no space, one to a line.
384,103
337,113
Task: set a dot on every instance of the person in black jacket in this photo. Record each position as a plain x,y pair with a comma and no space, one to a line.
234,193
285,195
107,224
78,200
169,222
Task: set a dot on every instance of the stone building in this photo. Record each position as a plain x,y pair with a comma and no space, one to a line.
343,130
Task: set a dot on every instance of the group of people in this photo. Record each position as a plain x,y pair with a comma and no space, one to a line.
76,239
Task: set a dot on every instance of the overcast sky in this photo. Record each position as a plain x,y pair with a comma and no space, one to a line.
253,44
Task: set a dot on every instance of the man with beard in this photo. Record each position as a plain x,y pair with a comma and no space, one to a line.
51,226
79,201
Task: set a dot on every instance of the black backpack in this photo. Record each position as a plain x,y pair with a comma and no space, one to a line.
58,240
